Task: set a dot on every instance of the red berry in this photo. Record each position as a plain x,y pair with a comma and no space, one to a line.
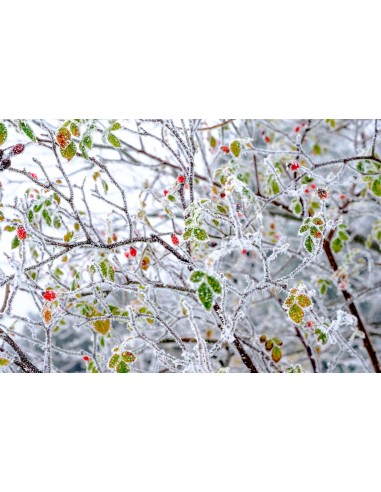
312,186
181,179
175,239
165,192
294,166
18,149
309,324
21,233
306,190
244,251
342,197
32,175
49,295
86,358
222,195
296,129
267,139
225,149
127,254
133,251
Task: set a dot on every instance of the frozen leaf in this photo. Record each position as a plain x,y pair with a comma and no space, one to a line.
3,133
296,313
113,140
46,216
235,148
69,152
128,357
26,128
214,284
205,295
196,276
74,128
3,362
309,244
122,367
68,236
102,326
200,234
63,137
276,354
303,300
113,361
116,126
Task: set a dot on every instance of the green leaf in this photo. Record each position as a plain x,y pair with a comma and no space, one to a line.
88,141
296,313
122,367
102,326
196,276
297,208
337,245
68,236
205,295
128,357
74,128
309,244
303,229
303,300
114,140
316,149
343,235
223,209
3,133
276,354
214,284
235,148
27,130
69,152
113,361
200,234
4,362
376,187
105,186
15,242
107,270
114,309
46,216
83,150
275,187
116,126
30,215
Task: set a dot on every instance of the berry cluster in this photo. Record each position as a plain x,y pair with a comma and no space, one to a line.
49,295
21,233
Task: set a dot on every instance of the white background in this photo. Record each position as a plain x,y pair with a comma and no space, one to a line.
273,59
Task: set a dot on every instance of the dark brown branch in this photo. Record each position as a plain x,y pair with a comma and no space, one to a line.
352,306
